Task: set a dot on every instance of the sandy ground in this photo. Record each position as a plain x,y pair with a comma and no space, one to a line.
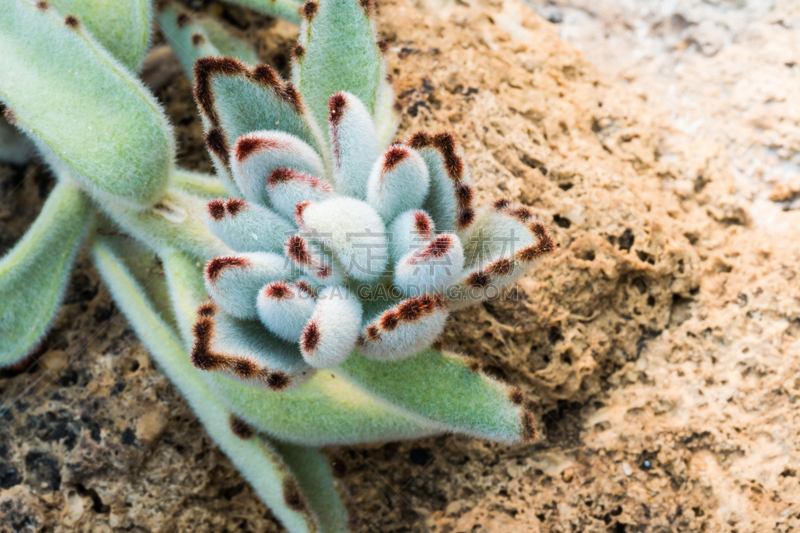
658,347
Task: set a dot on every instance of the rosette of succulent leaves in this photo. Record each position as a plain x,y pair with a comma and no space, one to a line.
305,284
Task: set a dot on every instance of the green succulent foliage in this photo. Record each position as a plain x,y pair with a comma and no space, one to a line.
35,272
121,26
295,297
99,112
285,9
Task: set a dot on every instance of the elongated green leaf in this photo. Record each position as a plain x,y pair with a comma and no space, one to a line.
339,53
121,26
285,9
198,184
83,106
174,223
184,276
192,37
34,273
313,472
444,388
257,459
327,409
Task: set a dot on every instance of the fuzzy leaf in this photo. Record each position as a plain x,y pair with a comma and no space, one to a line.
449,201
431,268
425,384
398,182
315,476
245,350
34,273
287,188
339,52
236,99
121,26
174,223
184,276
247,227
499,247
331,332
312,260
285,9
193,37
126,154
327,410
285,308
405,329
262,466
354,144
256,155
409,231
352,230
233,281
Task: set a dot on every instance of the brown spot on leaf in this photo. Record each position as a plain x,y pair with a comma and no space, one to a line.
474,365
516,396
205,69
297,250
182,20
278,381
291,495
207,309
478,280
309,9
278,290
72,21
240,428
383,46
336,106
423,224
248,144
393,157
216,209
529,433
236,206
420,140
43,5
298,51
309,339
218,145
306,287
501,267
265,75
198,39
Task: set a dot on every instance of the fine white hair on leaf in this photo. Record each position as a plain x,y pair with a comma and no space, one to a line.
405,329
409,231
314,261
256,155
354,144
352,230
285,309
331,334
398,182
431,268
247,227
287,187
234,281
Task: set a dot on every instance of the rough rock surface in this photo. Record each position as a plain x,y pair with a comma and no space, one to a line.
657,346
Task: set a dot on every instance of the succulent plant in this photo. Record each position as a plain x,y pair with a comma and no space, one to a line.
319,244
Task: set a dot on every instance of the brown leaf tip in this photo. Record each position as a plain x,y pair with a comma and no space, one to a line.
291,495
529,433
446,144
436,249
246,145
336,107
240,428
236,206
501,267
298,51
465,218
309,339
423,224
297,250
478,280
278,290
278,381
309,9
72,21
544,245
516,396
306,287
413,309
393,157
339,467
43,5
265,75
299,209
216,209
182,20
420,140
383,46
198,39
215,267
204,69
501,204
207,309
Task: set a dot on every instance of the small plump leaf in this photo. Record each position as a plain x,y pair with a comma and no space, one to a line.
34,273
398,182
354,144
332,331
247,227
285,9
233,281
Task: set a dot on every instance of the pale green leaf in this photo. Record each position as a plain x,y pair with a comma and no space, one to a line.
35,272
285,9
